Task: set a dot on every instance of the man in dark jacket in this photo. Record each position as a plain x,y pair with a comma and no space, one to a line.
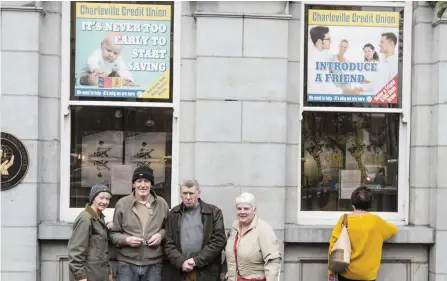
194,238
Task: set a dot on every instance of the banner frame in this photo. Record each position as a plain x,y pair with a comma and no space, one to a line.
401,217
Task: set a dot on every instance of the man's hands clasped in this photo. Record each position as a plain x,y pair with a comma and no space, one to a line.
134,242
188,265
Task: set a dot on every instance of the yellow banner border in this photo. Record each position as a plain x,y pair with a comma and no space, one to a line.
115,10
345,13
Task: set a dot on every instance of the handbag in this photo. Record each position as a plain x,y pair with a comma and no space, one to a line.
240,278
340,255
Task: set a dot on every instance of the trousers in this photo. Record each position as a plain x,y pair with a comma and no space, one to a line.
131,272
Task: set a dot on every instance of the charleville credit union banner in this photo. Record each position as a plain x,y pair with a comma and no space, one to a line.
123,50
353,56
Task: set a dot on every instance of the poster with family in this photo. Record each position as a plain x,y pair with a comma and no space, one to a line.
122,50
352,56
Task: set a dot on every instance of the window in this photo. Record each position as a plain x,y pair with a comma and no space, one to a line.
119,99
108,144
354,111
342,150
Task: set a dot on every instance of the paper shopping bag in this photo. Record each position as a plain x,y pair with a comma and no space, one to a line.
340,256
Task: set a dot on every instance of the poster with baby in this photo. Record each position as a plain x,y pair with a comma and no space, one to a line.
353,56
123,50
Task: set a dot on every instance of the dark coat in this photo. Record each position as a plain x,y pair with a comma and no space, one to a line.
88,247
209,259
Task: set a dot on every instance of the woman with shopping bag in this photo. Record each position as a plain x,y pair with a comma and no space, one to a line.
355,248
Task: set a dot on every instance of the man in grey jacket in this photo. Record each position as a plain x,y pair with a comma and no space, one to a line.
138,229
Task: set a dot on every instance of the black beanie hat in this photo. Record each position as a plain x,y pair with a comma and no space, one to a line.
97,189
143,173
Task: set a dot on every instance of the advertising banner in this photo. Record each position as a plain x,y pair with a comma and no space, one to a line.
123,50
352,56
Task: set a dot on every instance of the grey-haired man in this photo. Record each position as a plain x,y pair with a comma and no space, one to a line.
195,238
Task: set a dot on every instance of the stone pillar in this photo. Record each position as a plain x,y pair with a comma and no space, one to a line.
20,58
188,92
293,103
421,113
30,108
240,106
49,132
438,164
49,111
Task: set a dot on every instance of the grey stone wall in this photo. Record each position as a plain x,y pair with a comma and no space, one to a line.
238,132
429,94
30,104
236,121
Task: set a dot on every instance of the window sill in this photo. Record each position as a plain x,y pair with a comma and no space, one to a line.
320,234
293,233
54,230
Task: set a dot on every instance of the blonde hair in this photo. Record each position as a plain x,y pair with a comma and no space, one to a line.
246,198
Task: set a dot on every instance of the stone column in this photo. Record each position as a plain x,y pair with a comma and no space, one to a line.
188,91
438,164
30,106
240,112
20,58
293,103
421,113
49,133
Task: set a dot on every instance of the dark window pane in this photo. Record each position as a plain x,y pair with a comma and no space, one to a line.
108,143
349,36
340,151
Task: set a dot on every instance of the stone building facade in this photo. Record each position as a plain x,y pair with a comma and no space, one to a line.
233,124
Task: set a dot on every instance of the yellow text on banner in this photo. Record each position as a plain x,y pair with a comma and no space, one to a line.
123,11
354,18
159,89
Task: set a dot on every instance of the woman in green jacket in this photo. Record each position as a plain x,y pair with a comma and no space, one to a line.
88,253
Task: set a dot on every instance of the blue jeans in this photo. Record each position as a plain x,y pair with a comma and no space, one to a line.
131,272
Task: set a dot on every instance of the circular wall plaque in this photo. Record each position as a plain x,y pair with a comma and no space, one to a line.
14,161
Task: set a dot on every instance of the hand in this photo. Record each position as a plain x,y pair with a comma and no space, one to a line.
191,262
109,225
186,267
331,277
154,240
133,241
222,276
83,279
358,90
97,71
6,165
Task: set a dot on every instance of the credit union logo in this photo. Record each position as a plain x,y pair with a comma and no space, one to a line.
14,161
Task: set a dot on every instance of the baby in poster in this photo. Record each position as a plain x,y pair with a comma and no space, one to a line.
106,61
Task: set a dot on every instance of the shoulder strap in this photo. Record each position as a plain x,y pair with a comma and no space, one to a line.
236,238
345,220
